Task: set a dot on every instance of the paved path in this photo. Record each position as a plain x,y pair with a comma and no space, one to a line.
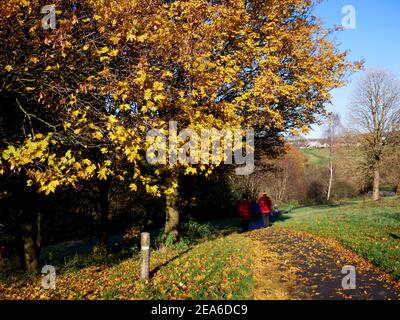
298,265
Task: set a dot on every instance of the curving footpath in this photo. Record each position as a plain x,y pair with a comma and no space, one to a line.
297,265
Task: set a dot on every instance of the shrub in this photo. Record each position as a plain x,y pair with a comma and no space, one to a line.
290,205
193,231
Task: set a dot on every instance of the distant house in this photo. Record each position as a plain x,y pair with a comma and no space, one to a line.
309,144
316,144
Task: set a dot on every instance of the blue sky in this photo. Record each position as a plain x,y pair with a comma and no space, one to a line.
376,39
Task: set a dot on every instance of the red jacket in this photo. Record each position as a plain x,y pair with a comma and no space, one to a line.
244,210
265,204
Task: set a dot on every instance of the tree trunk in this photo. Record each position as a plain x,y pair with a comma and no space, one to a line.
31,256
104,208
375,193
172,216
30,239
328,195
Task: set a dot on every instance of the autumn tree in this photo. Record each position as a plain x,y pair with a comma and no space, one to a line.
89,90
375,115
282,176
50,80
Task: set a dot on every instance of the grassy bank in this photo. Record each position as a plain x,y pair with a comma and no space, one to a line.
370,229
212,269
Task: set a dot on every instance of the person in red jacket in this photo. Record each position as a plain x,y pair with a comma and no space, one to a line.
244,208
265,204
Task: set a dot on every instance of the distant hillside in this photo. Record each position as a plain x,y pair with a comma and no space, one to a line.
316,150
317,157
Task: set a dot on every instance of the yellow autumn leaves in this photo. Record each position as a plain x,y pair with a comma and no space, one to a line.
111,72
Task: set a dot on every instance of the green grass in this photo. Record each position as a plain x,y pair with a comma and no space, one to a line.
317,157
217,269
370,229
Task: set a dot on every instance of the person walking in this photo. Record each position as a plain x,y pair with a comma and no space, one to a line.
255,212
244,208
265,204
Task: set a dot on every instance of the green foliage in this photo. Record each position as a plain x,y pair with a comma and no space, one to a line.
193,231
170,240
290,205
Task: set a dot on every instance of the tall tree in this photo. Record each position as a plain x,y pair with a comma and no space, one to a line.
89,90
375,114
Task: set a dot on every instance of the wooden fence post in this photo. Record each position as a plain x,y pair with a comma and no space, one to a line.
145,260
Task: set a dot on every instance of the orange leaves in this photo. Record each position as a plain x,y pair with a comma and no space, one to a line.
212,270
127,65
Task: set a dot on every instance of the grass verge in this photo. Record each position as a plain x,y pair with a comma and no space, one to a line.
213,269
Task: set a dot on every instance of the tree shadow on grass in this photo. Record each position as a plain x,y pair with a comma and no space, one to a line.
156,269
394,236
329,205
281,218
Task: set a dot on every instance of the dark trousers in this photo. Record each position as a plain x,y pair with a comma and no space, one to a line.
245,225
265,217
